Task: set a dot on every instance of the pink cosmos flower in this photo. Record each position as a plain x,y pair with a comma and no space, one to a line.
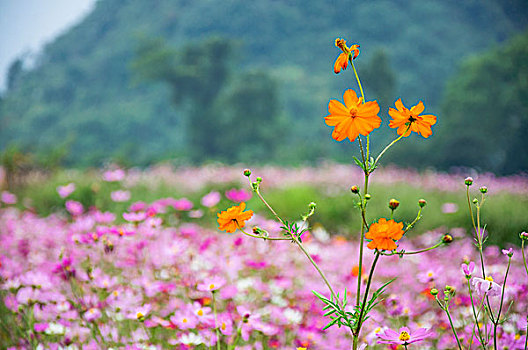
468,268
114,175
92,314
404,337
211,284
238,195
104,217
184,320
211,199
449,208
140,313
74,208
182,204
135,217
508,252
8,198
486,286
66,190
40,327
120,196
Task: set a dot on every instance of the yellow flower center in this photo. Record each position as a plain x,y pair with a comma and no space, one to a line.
223,326
200,312
184,320
211,286
517,336
489,278
116,293
139,315
404,336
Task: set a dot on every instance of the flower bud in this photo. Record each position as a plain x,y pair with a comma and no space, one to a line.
393,204
483,189
434,292
422,203
475,201
312,205
368,196
247,172
259,179
447,238
468,181
354,189
523,235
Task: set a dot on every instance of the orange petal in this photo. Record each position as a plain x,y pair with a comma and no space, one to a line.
333,120
419,108
337,108
399,105
351,99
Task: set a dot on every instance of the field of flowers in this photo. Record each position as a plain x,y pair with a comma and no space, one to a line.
216,257
155,274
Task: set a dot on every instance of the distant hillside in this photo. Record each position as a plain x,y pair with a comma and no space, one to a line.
84,93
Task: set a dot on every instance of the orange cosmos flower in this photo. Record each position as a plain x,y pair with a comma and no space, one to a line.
353,118
383,234
409,119
230,219
342,60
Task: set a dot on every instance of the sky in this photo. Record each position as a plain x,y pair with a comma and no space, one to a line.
27,25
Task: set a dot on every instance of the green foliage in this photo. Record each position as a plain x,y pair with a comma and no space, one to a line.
486,111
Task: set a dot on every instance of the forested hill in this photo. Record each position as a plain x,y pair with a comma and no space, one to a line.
132,80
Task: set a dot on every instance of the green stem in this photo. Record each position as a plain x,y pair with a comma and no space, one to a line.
361,243
413,252
216,321
476,318
496,323
371,273
262,237
321,273
357,78
389,146
453,327
524,261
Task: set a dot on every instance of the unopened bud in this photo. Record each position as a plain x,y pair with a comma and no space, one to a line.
393,204
368,196
468,181
259,179
422,203
247,172
483,189
475,201
523,235
354,189
312,205
447,238
434,292
258,231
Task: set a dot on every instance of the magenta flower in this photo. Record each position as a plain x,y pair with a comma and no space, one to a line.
486,286
210,199
114,175
211,284
92,314
120,196
40,327
66,190
238,195
8,198
449,208
182,204
184,320
508,252
135,217
74,208
404,337
468,268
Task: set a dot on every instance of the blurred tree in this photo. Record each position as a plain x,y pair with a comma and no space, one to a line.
221,118
14,73
380,79
485,112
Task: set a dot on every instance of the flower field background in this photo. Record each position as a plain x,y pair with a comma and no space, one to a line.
119,259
